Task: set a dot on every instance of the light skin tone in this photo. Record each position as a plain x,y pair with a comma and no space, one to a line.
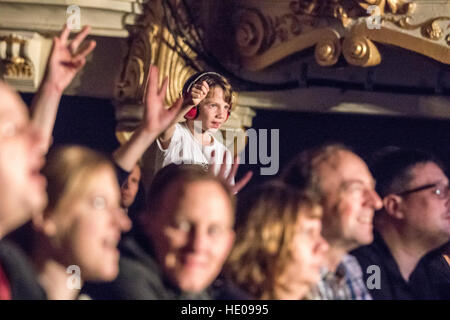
416,223
198,93
349,204
130,188
66,59
22,190
308,254
192,234
78,232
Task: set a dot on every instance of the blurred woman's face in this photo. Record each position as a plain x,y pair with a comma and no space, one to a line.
307,253
89,229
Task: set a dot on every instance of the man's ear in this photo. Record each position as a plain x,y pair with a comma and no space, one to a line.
44,224
392,206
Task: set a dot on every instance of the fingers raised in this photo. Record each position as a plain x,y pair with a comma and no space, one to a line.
79,38
64,35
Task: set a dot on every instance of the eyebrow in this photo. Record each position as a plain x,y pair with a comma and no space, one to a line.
347,183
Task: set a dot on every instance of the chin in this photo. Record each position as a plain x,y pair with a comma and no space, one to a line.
213,130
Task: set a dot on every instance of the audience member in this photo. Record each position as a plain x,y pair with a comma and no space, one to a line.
414,221
345,186
279,249
181,241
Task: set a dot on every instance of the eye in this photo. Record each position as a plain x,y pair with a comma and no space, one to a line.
214,230
441,191
182,225
99,203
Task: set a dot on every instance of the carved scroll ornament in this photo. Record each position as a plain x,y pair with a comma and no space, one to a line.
267,31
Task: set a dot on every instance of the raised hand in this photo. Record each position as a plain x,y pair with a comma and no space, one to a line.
157,117
229,178
198,92
67,57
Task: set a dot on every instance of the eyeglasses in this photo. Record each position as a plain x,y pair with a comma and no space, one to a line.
440,190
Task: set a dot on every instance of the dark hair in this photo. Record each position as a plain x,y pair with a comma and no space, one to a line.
181,175
391,167
301,172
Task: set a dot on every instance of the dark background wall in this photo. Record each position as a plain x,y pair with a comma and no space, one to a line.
91,122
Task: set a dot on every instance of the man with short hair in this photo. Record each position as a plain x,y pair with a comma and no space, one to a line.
413,227
180,243
343,182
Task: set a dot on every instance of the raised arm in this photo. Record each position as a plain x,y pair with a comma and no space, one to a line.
66,59
156,119
192,99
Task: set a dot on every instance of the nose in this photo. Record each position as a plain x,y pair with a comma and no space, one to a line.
36,139
322,246
374,199
198,240
122,220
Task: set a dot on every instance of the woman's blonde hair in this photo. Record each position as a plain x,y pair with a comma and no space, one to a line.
268,217
69,171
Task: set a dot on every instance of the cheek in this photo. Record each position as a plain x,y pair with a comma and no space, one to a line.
84,239
172,240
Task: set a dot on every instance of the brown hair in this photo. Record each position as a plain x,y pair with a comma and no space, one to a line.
216,80
264,240
69,170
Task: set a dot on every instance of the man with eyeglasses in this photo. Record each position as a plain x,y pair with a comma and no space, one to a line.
412,231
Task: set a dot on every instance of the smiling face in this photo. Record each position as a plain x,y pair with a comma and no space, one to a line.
349,200
213,110
307,252
22,188
192,234
425,212
88,226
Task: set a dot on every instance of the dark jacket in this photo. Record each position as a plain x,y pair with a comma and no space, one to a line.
428,281
21,275
140,278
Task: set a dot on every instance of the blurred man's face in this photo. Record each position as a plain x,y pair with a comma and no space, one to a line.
130,188
192,234
350,201
22,187
427,212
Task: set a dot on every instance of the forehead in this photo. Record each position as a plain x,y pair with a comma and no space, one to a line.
104,182
427,173
216,94
345,166
136,172
202,202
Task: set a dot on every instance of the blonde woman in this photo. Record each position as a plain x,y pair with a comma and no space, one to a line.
279,249
77,234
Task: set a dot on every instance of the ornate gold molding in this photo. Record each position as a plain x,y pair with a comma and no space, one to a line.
16,63
267,31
